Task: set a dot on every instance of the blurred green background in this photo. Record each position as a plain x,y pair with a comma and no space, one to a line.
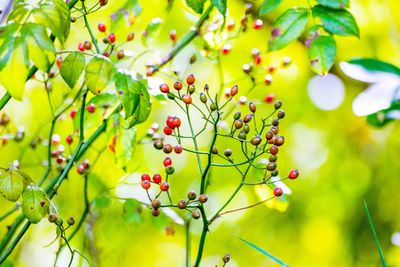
342,159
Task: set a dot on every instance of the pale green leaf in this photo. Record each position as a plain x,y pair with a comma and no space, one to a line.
72,68
321,54
12,184
99,73
35,204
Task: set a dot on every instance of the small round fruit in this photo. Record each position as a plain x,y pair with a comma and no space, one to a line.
167,130
81,47
111,37
130,36
190,79
69,139
158,145
81,170
145,177
101,27
167,148
146,184
279,140
247,118
274,150
281,114
269,98
155,212
91,108
156,203
176,122
169,170
120,54
178,149
195,214
227,152
214,150
234,90
278,191
87,45
157,178
52,217
271,166
182,204
187,99
278,104
164,186
164,88
167,162
252,107
178,85
256,140
71,221
293,174
203,198
191,195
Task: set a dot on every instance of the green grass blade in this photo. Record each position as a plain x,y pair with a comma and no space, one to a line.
375,235
272,257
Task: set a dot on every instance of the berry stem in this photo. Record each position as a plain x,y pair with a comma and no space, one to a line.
94,41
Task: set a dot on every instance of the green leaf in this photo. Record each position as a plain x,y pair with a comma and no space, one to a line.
268,6
287,28
134,97
130,211
196,5
383,117
72,68
220,5
340,22
338,4
125,146
152,30
41,49
35,204
371,64
14,66
19,11
371,224
99,73
269,255
12,184
321,54
55,15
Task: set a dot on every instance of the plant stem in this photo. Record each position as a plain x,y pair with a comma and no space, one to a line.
187,261
94,41
202,238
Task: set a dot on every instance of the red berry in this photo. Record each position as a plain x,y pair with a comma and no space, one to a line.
230,25
91,108
81,47
170,122
86,164
167,130
106,53
187,99
60,159
234,90
167,162
72,114
176,122
226,49
59,62
111,38
103,2
145,177
130,36
54,153
268,79
157,178
101,27
164,186
293,174
164,88
69,139
81,169
257,60
178,85
269,98
172,35
278,191
178,149
190,79
258,24
146,184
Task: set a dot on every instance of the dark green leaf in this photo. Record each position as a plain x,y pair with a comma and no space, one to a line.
371,64
99,73
14,66
72,68
54,14
268,6
338,4
287,28
12,184
269,255
321,54
35,204
340,22
41,49
196,5
220,5
371,224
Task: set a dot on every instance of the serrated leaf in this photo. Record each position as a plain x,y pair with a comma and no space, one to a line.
35,204
337,21
287,28
12,184
269,255
41,49
196,5
125,146
321,54
338,4
371,64
55,15
268,6
14,67
99,73
220,5
72,68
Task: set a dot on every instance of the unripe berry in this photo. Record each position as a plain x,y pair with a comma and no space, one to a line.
203,97
187,99
120,54
167,148
71,221
269,135
52,218
164,186
237,115
226,258
145,177
91,108
281,114
279,140
156,178
156,203
275,122
246,68
252,107
234,90
158,145
278,191
164,88
130,36
273,158
178,85
246,128
203,198
238,124
275,129
293,174
273,150
87,45
169,170
213,106
271,166
195,214
178,149
182,204
190,79
278,104
242,135
214,150
256,140
274,173
146,184
155,212
191,195
227,152
247,118
191,89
